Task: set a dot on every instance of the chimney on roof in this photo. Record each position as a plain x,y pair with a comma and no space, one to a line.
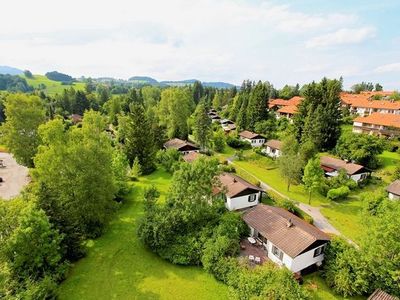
289,223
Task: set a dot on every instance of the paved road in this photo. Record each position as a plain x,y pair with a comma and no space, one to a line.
14,176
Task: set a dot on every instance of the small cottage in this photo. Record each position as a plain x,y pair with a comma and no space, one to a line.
332,166
286,239
182,146
255,139
237,192
273,148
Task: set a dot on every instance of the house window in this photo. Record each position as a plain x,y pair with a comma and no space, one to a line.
277,252
319,251
252,197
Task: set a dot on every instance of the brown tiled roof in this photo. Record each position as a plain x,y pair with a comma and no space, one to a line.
274,144
235,184
278,102
191,156
380,93
394,187
178,144
76,118
381,295
337,164
250,135
228,127
294,101
389,120
272,223
291,109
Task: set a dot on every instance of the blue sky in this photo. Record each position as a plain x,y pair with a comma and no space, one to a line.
279,41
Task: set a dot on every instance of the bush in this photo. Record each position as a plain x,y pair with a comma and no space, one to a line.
237,143
169,159
339,193
228,168
343,269
218,142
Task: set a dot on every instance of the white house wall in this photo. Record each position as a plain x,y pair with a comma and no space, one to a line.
305,260
241,202
254,142
393,196
296,264
286,259
268,151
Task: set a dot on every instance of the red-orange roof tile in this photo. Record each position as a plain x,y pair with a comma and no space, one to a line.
389,120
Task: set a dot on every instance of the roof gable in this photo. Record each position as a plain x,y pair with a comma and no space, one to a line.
180,145
250,135
236,186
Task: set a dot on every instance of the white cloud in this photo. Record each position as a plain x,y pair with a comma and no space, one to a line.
343,36
394,67
175,39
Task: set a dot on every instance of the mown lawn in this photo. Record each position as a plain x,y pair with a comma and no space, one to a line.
52,87
389,162
118,266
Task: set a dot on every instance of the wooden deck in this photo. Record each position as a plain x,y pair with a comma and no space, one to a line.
257,250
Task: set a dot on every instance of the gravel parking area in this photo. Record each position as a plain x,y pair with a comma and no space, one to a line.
14,176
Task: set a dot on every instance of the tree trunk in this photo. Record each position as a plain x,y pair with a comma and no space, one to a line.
309,198
288,186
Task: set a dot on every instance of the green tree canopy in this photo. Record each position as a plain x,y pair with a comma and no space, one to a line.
74,178
201,126
24,114
175,107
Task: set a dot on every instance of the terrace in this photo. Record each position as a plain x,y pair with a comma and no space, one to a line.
249,250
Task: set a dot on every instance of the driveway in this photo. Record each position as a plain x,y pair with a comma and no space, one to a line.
14,176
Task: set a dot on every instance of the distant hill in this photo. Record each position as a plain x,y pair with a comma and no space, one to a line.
51,87
10,70
214,84
219,84
144,80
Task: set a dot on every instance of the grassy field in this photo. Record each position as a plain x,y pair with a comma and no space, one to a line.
52,87
118,266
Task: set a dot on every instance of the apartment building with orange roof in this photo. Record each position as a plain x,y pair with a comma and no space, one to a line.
378,124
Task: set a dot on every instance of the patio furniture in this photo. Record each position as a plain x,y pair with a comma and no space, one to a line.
251,240
257,260
251,258
2,164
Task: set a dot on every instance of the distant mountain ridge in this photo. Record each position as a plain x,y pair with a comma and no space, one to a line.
152,81
135,80
10,70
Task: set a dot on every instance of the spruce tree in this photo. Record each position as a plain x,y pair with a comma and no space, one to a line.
258,105
318,115
202,126
139,139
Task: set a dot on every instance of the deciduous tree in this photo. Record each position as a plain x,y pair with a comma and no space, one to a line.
24,114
